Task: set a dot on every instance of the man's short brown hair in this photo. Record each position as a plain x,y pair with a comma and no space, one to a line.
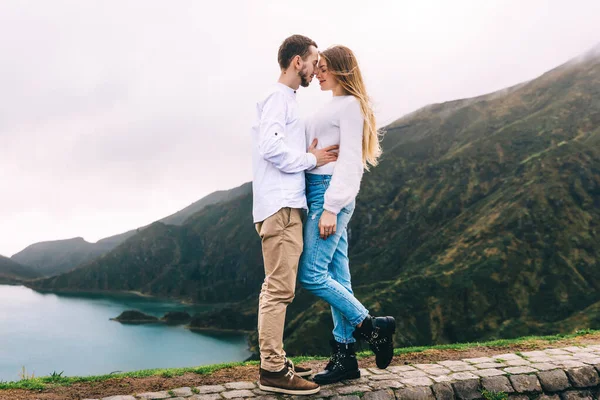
295,45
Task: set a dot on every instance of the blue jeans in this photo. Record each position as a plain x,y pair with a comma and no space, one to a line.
324,267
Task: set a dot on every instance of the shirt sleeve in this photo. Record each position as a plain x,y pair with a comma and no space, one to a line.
349,168
271,144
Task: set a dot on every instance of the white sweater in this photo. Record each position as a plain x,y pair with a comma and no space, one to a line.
339,122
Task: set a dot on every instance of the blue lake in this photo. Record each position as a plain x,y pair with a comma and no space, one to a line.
46,332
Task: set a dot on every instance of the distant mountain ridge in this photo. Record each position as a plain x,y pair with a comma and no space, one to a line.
12,272
59,256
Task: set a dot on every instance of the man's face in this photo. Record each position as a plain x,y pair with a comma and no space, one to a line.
309,66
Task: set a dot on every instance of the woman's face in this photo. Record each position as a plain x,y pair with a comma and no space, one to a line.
326,79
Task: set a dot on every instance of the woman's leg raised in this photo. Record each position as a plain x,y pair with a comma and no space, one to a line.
313,271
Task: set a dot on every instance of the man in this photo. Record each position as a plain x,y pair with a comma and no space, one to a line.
279,159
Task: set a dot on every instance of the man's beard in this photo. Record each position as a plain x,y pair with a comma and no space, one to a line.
304,78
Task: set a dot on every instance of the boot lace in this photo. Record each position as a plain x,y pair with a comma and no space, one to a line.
290,373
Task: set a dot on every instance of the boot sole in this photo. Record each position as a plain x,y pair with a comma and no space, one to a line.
288,391
387,364
347,375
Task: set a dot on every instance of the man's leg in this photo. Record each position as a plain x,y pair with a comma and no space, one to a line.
281,236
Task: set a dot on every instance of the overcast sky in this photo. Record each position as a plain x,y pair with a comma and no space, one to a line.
116,113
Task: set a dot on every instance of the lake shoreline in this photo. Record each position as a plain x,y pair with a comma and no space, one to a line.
181,301
157,298
218,330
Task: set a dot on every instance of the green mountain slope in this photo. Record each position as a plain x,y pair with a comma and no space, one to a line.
213,257
481,221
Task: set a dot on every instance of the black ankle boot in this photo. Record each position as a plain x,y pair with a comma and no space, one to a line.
378,332
342,365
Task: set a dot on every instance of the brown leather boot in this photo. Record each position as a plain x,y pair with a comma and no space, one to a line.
287,382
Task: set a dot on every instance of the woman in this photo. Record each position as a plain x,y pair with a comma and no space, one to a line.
347,121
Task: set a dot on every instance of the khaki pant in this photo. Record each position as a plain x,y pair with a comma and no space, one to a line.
281,236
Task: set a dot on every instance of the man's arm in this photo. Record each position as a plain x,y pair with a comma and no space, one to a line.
271,145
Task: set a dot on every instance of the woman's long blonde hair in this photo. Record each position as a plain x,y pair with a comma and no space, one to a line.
342,64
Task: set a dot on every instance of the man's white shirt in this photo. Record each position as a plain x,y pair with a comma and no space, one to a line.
279,156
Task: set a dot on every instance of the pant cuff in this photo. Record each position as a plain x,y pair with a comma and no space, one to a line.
273,365
359,319
344,340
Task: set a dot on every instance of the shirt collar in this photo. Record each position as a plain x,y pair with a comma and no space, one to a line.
287,89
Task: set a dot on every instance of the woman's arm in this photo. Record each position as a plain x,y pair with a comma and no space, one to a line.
348,171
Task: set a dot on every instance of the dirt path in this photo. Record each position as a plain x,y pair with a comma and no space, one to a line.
250,373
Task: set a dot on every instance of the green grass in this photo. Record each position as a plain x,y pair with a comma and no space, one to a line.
56,379
46,382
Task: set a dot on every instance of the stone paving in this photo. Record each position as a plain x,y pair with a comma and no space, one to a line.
552,374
